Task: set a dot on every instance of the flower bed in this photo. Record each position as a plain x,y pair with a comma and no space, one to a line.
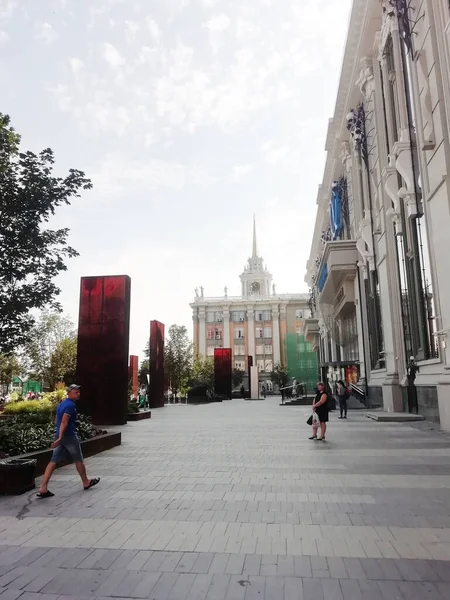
29,426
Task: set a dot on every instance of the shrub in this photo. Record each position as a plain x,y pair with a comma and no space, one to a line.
29,407
27,433
56,397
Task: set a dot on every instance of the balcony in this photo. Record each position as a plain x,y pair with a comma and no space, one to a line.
312,332
338,265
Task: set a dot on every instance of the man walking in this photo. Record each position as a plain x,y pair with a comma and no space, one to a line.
66,443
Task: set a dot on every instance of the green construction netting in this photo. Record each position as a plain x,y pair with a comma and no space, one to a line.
301,360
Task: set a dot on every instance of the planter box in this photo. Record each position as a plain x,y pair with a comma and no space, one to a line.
145,414
89,447
17,476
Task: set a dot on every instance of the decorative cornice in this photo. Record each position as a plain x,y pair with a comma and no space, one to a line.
399,10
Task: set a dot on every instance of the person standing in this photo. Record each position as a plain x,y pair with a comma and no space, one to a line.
320,407
342,395
66,443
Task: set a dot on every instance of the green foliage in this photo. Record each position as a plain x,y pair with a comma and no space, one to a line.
63,361
56,396
15,397
9,368
144,370
203,371
178,353
51,349
279,375
32,432
29,407
32,254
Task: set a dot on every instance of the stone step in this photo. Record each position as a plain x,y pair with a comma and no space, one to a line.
393,417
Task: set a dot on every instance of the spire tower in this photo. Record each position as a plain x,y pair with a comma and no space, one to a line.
255,246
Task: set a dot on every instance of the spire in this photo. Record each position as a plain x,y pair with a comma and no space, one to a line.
255,247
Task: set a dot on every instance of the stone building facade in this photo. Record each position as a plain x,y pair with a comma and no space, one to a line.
260,323
378,268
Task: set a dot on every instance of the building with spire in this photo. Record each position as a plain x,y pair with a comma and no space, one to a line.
260,323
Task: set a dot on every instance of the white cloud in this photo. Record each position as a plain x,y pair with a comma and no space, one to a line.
240,171
116,174
210,3
218,23
7,8
131,29
112,55
274,153
44,32
153,28
76,65
4,37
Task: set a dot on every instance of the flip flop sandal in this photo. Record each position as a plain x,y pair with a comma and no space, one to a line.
92,483
46,494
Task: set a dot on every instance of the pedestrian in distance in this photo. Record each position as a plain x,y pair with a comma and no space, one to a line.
342,396
66,443
320,407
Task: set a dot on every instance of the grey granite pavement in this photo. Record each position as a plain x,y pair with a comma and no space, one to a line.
232,501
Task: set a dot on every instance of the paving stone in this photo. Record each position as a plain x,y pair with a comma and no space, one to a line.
231,502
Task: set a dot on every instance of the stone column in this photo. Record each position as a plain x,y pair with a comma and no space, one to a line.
276,335
251,331
359,325
226,327
202,331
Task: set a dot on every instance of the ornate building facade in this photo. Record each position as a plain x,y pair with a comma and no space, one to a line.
380,292
259,323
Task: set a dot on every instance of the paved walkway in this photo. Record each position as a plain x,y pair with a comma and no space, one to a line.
232,501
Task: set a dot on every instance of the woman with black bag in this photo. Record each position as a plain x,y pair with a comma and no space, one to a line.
320,407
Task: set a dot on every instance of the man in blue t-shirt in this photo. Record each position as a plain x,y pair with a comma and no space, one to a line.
66,442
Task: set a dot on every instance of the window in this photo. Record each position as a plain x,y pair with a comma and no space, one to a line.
218,333
259,332
417,297
268,365
210,317
268,349
210,332
218,317
239,365
260,349
238,316
239,350
239,333
267,332
214,317
299,314
260,365
263,315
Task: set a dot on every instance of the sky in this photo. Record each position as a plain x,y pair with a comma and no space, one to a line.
188,116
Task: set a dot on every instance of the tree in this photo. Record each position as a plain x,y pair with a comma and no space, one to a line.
144,370
178,354
9,368
237,377
32,255
46,336
279,375
63,362
203,371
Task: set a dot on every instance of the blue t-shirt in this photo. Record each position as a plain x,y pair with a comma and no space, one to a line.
67,407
